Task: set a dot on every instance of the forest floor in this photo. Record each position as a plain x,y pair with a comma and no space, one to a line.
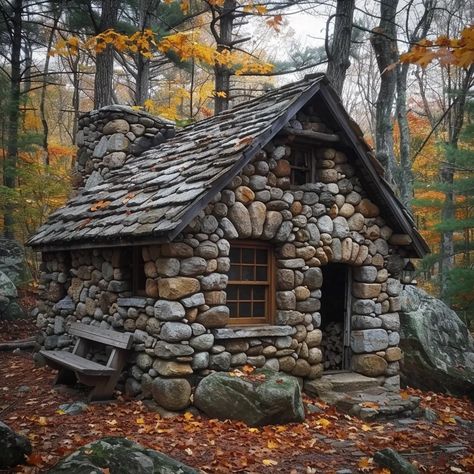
328,440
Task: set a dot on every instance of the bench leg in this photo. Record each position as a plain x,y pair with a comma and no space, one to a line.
65,377
104,389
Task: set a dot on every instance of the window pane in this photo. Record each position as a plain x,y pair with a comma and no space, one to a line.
259,293
234,255
234,273
248,255
233,310
262,256
248,273
245,310
232,293
259,310
262,273
245,293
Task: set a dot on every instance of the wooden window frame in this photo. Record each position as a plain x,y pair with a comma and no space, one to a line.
309,169
269,284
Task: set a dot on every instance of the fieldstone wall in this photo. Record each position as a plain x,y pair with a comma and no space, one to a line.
181,326
109,136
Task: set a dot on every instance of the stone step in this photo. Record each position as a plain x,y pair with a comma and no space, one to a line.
372,403
348,382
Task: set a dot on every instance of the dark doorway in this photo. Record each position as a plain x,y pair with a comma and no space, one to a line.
335,317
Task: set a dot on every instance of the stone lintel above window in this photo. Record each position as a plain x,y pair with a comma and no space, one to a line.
253,332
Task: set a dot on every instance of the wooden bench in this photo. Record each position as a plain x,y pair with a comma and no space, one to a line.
73,366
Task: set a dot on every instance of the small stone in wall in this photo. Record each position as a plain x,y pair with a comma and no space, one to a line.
171,368
216,316
369,340
367,208
314,338
370,365
175,332
366,290
169,310
177,287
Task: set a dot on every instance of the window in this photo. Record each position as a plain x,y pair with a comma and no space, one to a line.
250,290
133,260
302,165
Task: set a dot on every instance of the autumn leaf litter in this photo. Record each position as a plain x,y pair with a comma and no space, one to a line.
327,441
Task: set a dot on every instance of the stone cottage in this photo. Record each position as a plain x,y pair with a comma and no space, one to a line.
265,235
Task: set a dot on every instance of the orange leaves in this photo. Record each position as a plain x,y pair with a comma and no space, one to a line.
323,423
448,51
365,464
269,462
100,205
275,22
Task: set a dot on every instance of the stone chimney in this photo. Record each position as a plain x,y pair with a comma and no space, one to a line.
110,136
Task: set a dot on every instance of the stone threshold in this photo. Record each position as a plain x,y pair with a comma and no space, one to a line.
244,332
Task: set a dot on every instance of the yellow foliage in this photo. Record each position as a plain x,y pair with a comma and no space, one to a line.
449,51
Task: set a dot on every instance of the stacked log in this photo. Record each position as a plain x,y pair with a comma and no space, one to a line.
332,346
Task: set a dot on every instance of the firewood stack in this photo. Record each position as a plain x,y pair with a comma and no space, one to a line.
332,346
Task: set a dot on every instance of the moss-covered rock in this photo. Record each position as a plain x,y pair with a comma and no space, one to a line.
120,456
438,351
266,398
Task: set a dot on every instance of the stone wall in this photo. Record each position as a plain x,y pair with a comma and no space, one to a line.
180,327
109,136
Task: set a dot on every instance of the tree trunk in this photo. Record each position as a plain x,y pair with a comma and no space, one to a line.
42,108
147,18
338,52
13,115
103,86
384,43
405,181
142,85
455,123
224,42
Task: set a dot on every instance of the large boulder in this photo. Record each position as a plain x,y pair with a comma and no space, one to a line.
12,261
438,348
9,308
120,456
264,398
14,448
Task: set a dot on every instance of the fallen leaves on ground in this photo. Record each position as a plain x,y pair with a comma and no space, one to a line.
326,442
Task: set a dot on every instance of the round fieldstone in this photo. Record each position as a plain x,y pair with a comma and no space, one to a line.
177,287
200,361
272,223
175,332
193,266
169,310
325,225
257,212
369,340
370,365
313,278
203,342
144,361
171,394
118,142
240,218
116,126
217,316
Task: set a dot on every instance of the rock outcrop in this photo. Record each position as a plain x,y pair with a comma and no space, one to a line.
13,447
266,398
438,348
119,455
